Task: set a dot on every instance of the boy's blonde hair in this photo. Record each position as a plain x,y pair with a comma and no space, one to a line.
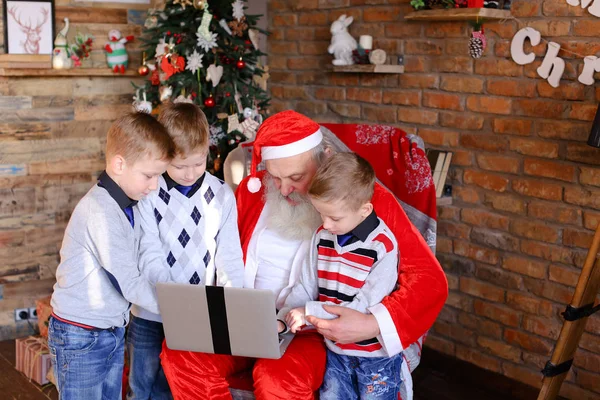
187,126
345,177
136,135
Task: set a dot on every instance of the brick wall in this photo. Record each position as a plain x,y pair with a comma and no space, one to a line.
526,186
51,150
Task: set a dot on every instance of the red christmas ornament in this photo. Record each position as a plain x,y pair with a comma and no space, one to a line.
241,64
209,101
143,70
155,78
227,94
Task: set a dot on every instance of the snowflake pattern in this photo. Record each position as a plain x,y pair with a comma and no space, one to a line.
417,176
207,42
238,9
216,135
194,61
374,134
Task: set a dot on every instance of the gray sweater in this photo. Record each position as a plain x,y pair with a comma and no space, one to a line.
99,241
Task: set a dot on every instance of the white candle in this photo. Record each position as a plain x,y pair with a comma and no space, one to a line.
366,42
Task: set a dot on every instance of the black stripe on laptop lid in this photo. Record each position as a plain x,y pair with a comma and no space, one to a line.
217,313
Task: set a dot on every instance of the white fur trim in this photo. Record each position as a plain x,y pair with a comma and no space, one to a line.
254,184
292,149
388,334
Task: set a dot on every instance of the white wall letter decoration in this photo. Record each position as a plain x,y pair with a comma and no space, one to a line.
594,9
552,61
590,64
516,46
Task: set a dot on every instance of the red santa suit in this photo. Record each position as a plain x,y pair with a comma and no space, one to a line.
403,317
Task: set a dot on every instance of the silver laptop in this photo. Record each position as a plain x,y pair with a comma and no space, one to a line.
212,319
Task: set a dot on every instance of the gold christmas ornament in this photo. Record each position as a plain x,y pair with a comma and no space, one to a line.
199,4
183,3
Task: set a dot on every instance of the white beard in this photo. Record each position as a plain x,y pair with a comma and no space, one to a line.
295,222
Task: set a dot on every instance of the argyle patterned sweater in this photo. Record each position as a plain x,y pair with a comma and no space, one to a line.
358,276
196,238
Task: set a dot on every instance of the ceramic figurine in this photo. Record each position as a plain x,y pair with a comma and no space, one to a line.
60,55
342,43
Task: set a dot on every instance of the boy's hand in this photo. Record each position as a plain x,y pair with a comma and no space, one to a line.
295,319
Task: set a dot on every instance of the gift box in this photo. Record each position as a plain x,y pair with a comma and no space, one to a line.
33,358
44,310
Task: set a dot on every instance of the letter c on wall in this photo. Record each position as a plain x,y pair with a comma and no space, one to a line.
518,41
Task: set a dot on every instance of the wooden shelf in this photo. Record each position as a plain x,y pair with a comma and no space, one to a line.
458,14
444,201
65,72
370,68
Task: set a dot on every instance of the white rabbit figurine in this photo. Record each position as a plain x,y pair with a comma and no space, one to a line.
342,43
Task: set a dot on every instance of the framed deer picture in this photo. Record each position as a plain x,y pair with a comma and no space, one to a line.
28,26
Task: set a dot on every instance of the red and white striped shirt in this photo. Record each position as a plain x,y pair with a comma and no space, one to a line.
357,275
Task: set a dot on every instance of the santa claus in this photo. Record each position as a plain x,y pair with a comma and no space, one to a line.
276,222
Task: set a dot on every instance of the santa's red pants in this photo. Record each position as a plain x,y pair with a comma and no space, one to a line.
295,376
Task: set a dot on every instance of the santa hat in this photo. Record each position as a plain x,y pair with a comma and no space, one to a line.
285,134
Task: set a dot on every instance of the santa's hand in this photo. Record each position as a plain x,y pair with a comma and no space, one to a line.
295,319
352,326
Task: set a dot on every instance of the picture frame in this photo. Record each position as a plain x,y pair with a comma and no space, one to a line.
28,27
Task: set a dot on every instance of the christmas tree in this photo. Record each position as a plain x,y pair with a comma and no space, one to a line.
207,52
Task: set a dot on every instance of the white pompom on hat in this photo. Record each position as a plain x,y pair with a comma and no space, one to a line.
282,135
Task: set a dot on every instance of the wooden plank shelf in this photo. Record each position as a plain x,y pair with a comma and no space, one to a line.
444,201
370,68
65,72
458,14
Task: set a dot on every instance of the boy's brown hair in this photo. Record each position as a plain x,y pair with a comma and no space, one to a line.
136,135
344,177
187,126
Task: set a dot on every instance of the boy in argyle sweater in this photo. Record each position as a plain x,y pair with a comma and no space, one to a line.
353,263
190,225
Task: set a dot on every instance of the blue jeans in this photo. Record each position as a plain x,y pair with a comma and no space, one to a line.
146,377
364,378
88,364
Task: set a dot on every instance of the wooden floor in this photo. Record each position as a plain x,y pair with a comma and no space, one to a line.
439,377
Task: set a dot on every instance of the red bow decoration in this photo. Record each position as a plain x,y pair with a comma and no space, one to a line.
172,65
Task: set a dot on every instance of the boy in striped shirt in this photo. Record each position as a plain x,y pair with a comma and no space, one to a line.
353,262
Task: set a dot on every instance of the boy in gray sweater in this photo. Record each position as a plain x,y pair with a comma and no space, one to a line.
98,276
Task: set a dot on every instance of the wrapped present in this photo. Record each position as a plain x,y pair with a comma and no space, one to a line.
44,310
33,358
